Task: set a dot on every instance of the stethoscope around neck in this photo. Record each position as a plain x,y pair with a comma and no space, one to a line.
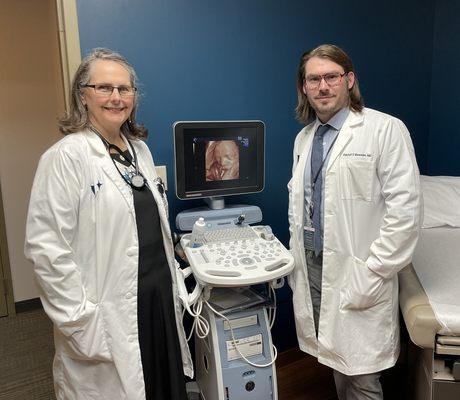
136,180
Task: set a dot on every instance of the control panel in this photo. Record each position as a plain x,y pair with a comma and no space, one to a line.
237,256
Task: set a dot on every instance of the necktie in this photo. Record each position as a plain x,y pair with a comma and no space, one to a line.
317,185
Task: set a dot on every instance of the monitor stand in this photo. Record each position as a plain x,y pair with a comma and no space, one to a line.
218,215
215,203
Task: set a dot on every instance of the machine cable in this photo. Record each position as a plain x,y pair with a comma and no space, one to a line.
201,326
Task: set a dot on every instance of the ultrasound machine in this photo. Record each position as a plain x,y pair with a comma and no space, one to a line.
228,253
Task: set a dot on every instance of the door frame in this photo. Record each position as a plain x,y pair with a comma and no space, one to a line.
5,271
69,43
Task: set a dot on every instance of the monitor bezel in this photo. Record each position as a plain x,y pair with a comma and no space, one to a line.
179,160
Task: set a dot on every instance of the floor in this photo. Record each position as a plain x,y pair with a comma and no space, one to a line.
301,377
26,352
26,356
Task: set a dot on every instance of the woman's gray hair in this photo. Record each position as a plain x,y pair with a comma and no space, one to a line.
76,118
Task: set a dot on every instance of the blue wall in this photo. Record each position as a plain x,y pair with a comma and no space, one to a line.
444,137
210,60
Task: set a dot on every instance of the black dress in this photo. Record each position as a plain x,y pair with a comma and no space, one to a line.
158,338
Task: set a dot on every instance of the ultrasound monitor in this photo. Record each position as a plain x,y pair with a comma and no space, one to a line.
218,158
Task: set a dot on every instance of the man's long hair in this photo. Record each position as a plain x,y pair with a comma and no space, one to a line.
304,111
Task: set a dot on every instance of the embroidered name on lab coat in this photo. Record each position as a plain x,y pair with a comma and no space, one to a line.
361,155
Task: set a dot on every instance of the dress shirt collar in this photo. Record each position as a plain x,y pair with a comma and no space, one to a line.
337,121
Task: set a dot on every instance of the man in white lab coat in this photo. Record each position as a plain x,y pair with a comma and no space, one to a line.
354,215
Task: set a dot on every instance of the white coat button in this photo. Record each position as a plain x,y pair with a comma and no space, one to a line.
132,251
128,295
131,339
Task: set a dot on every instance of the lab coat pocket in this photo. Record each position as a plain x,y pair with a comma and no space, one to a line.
363,288
356,177
89,341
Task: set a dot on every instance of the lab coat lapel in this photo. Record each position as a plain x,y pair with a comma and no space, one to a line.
298,194
298,187
345,135
150,174
109,168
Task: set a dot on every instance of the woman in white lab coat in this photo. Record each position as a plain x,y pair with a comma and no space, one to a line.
371,223
99,238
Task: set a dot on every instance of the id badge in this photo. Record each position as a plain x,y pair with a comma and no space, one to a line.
309,238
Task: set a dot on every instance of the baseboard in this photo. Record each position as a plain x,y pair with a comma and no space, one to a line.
28,305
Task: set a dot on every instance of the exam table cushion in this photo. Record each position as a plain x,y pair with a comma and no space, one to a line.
436,261
441,196
419,317
430,287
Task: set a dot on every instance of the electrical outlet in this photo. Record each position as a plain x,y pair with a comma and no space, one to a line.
161,172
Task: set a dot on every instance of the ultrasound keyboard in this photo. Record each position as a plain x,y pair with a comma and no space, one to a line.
238,256
229,234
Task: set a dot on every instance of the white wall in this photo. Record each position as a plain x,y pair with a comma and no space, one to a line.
31,101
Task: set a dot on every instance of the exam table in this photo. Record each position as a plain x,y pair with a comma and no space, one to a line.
429,294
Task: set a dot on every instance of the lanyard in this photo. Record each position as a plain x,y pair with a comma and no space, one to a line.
314,179
136,180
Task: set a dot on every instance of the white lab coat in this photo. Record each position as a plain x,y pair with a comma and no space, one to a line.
82,238
371,223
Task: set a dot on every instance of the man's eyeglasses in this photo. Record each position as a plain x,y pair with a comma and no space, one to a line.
333,79
107,90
